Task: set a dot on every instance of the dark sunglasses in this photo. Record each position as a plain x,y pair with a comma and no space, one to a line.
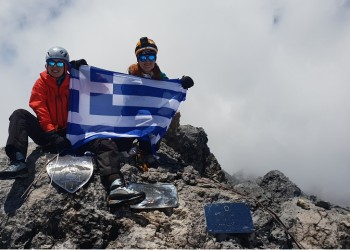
53,63
144,58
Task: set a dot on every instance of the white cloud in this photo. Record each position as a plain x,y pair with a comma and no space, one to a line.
271,76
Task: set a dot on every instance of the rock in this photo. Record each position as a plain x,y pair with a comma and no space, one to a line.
188,139
324,204
37,214
303,204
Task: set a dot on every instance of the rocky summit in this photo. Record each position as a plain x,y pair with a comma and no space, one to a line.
37,214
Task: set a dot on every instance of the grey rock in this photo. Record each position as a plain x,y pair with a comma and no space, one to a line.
37,214
325,204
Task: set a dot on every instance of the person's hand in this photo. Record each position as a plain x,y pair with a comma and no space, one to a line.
75,64
186,82
61,143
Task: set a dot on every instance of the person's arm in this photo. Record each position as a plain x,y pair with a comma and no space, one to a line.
38,102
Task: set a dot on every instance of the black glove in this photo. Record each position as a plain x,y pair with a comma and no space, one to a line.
75,64
186,82
58,141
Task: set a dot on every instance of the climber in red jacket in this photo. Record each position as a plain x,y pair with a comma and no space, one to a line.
49,101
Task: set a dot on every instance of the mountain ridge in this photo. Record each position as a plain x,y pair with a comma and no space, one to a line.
36,214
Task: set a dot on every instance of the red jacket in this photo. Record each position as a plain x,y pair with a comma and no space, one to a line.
50,102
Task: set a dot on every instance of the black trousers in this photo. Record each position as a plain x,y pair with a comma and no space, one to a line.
125,144
22,125
106,154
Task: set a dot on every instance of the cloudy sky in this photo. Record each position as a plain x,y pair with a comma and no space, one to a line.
271,77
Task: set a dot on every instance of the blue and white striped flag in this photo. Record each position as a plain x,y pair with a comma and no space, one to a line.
106,104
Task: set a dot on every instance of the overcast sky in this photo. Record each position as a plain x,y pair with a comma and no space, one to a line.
271,77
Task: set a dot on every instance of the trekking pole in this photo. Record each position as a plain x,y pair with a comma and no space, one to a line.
37,178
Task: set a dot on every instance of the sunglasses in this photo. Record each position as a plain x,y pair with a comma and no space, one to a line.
53,63
144,58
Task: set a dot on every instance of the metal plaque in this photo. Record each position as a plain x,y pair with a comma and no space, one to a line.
70,172
228,218
159,195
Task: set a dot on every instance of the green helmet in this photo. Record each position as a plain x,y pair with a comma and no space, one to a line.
57,53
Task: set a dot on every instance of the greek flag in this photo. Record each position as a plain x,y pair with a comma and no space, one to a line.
106,104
